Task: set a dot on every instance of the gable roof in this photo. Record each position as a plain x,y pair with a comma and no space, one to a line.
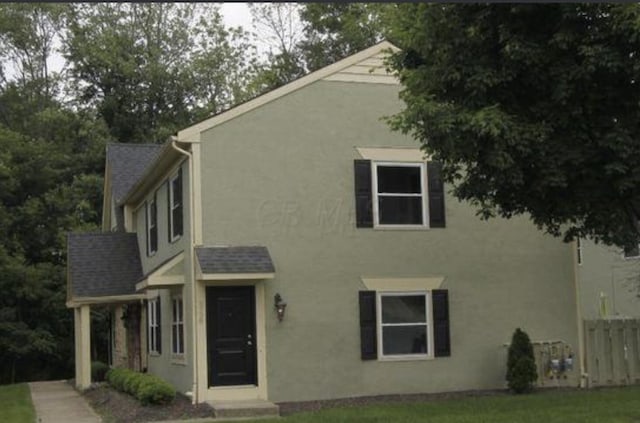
354,64
254,259
102,264
128,163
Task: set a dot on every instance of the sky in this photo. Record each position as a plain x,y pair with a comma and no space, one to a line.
236,14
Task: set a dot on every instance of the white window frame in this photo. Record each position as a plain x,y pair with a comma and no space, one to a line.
423,194
177,322
153,326
428,325
148,209
172,207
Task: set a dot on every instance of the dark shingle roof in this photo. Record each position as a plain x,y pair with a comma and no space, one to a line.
234,260
128,163
103,264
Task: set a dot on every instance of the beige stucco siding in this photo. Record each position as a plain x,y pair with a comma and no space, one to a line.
178,372
282,176
606,273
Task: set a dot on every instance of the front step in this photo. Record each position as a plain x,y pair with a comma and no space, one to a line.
245,408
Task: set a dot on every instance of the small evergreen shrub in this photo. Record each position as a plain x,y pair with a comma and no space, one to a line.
521,365
147,388
98,371
154,390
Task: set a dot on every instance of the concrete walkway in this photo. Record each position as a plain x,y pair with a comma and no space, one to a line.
58,402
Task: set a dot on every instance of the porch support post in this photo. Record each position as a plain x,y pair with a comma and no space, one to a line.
82,323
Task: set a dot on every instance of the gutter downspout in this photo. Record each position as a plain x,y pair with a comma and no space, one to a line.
194,388
584,377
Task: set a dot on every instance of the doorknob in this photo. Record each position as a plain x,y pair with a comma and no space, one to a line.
249,336
249,343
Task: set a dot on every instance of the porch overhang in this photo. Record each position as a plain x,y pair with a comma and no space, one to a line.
111,299
234,263
233,276
165,276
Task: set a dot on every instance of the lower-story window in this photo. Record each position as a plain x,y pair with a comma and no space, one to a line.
177,326
404,324
154,330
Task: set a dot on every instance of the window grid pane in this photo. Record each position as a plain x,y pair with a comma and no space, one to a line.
399,179
403,309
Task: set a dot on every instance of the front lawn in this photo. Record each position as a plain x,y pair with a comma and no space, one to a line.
15,404
615,405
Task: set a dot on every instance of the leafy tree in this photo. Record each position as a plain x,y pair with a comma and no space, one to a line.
150,69
532,108
279,28
51,160
27,35
334,31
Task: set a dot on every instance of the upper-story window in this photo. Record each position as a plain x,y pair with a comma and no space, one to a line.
399,195
175,206
151,212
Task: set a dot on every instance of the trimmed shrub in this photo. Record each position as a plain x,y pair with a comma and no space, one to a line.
98,371
147,388
116,377
521,365
155,391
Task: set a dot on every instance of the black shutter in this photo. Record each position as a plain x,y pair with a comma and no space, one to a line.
441,338
169,222
177,217
368,339
146,227
364,211
159,321
436,195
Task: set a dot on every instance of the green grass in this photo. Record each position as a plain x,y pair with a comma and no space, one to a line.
615,405
15,404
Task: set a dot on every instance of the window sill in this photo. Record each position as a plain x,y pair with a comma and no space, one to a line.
179,359
406,358
401,228
175,239
154,354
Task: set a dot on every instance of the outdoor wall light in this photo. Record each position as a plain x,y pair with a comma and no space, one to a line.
280,306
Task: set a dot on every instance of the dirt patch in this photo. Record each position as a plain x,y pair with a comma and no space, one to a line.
116,407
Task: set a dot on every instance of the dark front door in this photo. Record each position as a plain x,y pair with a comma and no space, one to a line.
231,335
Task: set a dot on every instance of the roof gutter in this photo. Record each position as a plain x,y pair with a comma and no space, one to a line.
194,345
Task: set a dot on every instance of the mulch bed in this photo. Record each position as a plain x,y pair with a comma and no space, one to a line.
117,407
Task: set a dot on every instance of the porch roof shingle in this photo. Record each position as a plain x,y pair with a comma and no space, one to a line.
103,264
240,259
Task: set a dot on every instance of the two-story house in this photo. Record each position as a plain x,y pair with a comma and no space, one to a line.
295,248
